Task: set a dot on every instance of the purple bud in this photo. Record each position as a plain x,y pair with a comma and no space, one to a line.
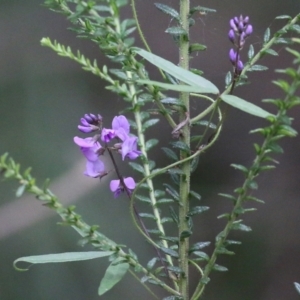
248,30
232,56
231,35
246,20
241,27
233,25
240,66
90,122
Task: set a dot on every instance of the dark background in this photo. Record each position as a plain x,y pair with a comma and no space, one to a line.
42,97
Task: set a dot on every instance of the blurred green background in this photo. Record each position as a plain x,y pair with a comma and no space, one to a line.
42,97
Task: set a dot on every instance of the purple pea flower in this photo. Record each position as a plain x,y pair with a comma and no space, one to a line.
90,122
129,148
116,186
91,149
120,128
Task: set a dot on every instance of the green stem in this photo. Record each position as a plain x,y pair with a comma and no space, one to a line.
147,171
184,188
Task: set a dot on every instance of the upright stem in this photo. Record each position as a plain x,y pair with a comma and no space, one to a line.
185,167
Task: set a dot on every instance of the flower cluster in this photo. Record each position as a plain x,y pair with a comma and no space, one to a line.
92,149
240,29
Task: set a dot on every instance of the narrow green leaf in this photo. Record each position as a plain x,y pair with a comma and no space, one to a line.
173,87
240,167
61,257
175,269
251,51
171,191
245,106
219,268
257,68
197,210
297,287
228,78
267,35
172,101
149,123
271,52
151,263
143,198
283,17
170,153
179,73
151,143
228,196
197,47
176,31
170,252
195,195
201,255
137,167
198,246
181,146
168,10
113,274
147,215
20,190
242,227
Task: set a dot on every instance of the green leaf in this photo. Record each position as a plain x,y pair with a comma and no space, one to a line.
61,257
181,146
151,263
20,190
183,75
176,31
251,51
170,153
267,35
173,87
297,287
242,227
219,268
149,123
240,167
172,101
151,143
283,17
167,10
228,196
197,47
147,215
198,246
245,106
185,234
195,195
170,252
202,255
137,167
271,52
113,274
197,210
257,68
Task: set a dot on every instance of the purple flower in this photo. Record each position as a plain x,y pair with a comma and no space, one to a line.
129,148
90,122
116,187
120,128
91,149
107,135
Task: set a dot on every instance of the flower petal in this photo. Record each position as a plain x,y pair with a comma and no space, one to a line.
114,185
